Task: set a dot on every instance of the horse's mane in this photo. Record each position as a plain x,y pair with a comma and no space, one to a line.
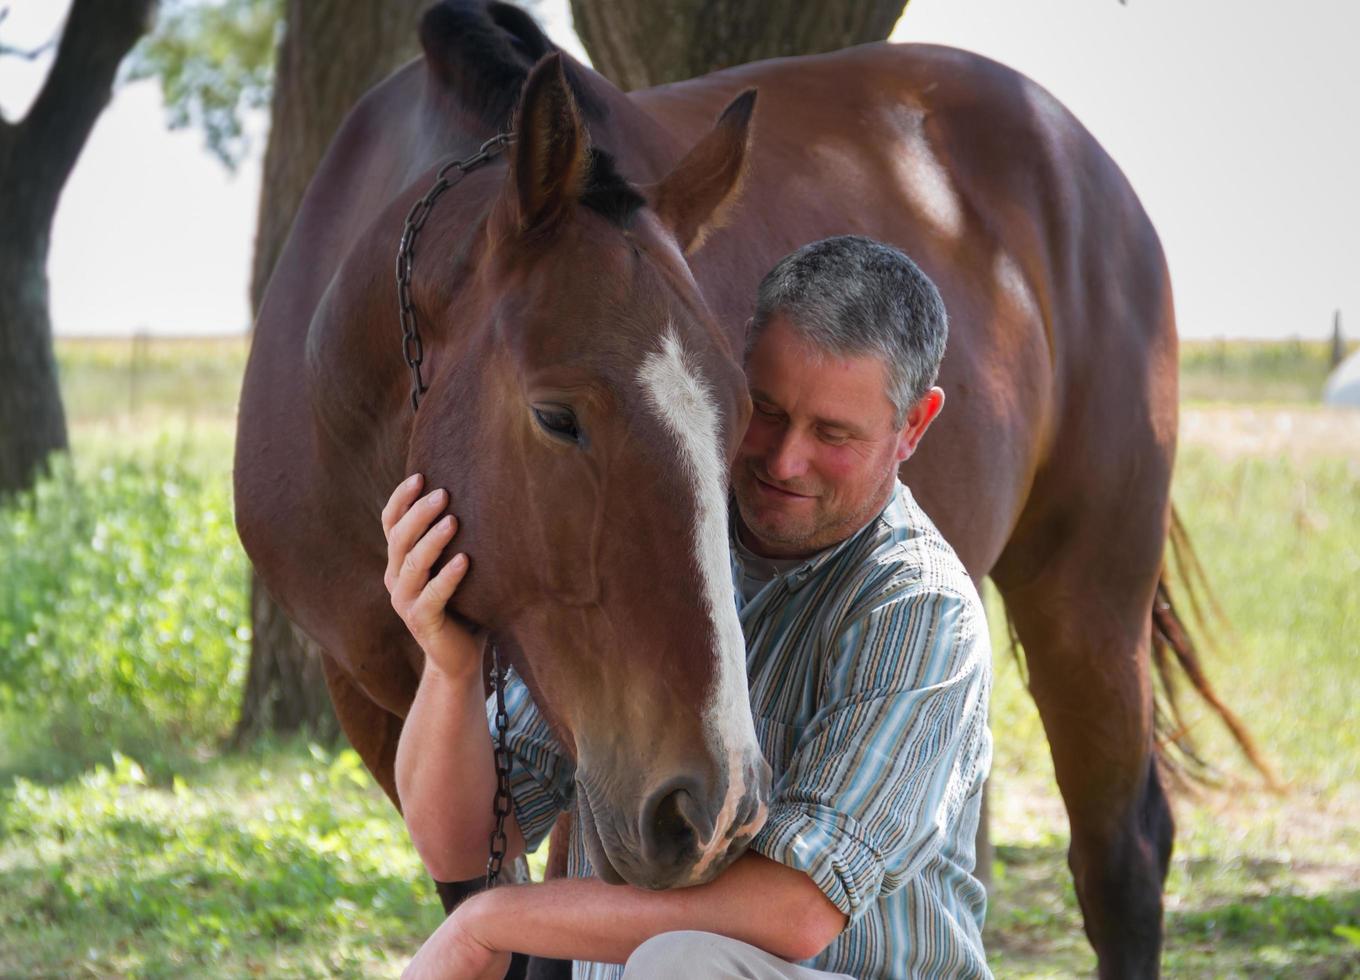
482,52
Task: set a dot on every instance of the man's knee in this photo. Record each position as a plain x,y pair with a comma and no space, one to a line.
689,955
678,956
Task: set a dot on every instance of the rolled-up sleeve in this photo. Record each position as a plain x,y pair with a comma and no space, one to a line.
878,777
542,778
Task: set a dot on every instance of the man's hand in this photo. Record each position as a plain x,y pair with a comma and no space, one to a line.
455,952
412,547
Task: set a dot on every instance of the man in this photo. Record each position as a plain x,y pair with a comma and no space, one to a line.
869,670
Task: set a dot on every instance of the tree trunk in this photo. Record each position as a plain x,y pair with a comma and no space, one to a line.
332,51
637,45
285,688
32,421
37,155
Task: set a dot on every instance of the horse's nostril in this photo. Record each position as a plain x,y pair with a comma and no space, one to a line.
673,824
668,822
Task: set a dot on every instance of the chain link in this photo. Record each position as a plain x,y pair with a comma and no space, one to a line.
411,346
500,807
413,350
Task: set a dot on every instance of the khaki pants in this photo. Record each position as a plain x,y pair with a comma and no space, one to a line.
706,956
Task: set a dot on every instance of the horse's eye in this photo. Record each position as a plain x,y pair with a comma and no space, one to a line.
558,421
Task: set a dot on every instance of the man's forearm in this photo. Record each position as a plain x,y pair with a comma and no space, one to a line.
446,776
756,900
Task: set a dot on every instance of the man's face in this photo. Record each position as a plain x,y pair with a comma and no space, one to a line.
821,453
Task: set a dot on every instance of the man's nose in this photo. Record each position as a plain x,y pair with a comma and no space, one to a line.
787,458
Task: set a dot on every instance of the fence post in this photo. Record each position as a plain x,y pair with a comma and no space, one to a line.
140,340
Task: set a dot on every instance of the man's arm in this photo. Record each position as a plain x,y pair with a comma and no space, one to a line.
756,900
445,770
446,777
876,786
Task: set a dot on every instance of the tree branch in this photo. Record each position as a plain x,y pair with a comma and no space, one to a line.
28,54
48,141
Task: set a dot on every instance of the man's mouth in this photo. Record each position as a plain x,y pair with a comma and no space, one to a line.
777,491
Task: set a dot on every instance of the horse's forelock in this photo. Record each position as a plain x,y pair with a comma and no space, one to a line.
607,192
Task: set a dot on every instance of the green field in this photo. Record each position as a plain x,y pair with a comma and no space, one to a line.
130,844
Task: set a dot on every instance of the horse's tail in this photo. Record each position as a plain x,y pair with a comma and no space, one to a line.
1172,647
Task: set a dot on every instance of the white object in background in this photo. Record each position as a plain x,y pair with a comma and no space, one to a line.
1343,386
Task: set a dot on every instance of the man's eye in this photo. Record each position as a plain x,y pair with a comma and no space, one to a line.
769,411
832,438
558,421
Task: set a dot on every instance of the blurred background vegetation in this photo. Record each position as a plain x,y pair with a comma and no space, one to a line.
132,843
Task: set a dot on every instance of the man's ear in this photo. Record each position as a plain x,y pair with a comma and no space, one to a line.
919,417
692,198
552,150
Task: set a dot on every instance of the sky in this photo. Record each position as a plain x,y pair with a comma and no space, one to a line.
1238,124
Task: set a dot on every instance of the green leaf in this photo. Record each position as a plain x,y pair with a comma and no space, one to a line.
214,62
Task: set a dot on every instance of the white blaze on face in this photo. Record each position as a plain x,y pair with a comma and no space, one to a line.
684,403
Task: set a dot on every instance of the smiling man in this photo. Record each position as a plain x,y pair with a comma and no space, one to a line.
868,665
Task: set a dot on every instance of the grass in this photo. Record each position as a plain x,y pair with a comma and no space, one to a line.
125,613
1260,885
173,859
1255,371
281,862
150,378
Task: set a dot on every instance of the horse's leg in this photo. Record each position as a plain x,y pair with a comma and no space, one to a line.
1085,622
372,730
559,843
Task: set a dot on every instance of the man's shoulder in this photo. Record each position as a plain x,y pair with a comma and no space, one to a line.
905,557
914,617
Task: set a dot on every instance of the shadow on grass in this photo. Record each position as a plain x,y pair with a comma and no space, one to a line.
283,861
1238,918
162,760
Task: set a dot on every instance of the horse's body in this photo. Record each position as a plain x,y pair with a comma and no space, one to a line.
1049,468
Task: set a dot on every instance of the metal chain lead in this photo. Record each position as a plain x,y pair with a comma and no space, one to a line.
500,807
414,352
411,346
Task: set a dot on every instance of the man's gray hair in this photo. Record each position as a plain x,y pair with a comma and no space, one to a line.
850,296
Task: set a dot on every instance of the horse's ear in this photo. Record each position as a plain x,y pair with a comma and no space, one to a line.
552,149
692,199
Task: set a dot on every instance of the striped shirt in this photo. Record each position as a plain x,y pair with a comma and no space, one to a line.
870,669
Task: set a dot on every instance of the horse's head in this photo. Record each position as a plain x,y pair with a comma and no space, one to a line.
584,427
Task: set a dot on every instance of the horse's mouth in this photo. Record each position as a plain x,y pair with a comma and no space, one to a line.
595,849
628,870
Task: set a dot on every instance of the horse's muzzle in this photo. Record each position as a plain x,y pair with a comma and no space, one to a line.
686,831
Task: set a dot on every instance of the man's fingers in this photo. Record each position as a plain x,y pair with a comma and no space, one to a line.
410,526
440,589
415,567
426,616
400,501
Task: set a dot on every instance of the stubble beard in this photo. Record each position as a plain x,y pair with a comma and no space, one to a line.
799,538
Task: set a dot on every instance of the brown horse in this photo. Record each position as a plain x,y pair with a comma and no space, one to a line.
582,306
